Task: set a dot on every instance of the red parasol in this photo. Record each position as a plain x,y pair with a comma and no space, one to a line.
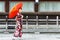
13,12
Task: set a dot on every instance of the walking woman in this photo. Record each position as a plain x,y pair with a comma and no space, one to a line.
19,17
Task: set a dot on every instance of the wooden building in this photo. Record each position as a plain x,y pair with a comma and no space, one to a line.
43,15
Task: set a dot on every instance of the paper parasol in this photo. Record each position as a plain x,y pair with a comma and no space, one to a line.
13,12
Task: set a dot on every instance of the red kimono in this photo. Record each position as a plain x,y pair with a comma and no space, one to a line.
18,32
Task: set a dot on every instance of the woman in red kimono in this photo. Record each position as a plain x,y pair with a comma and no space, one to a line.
19,17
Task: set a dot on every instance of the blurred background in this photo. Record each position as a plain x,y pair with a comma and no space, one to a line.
42,16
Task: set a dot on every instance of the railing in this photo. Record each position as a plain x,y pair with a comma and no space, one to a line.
34,23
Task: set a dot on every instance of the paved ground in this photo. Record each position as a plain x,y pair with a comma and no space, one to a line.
31,37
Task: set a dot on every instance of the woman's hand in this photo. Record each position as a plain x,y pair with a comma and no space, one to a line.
22,17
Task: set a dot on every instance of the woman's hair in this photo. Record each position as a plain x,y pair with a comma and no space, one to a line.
20,8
